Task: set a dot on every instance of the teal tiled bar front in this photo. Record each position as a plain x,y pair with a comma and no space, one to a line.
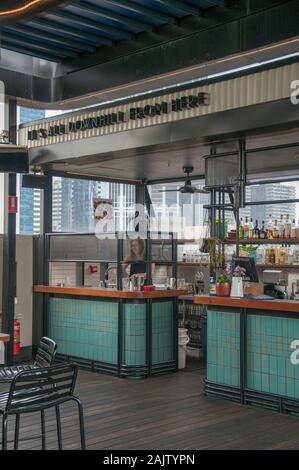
251,355
128,337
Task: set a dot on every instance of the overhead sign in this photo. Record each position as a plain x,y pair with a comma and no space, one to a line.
230,93
117,117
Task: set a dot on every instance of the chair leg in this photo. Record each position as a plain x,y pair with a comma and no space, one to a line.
43,426
4,432
17,430
58,422
81,420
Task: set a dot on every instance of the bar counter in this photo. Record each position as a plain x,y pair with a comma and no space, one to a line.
252,357
128,334
273,305
109,293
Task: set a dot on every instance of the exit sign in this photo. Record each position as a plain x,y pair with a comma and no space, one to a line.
12,204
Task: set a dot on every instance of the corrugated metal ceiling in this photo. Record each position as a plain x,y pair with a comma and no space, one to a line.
82,26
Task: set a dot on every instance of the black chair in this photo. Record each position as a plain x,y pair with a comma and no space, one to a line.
38,390
45,357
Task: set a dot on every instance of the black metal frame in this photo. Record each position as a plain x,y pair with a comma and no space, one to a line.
45,357
39,390
9,246
236,192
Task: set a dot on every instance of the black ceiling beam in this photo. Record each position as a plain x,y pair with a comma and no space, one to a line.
35,33
58,28
145,11
116,17
34,46
181,7
109,31
23,50
91,76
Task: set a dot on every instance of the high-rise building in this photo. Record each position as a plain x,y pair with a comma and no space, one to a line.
73,203
273,192
29,222
123,197
171,205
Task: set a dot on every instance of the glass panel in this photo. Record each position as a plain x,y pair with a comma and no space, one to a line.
85,247
273,192
73,204
269,162
221,170
181,214
162,251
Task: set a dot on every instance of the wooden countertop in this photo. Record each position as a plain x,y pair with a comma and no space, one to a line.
110,293
275,305
4,338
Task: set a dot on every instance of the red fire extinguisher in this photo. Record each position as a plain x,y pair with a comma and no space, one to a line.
16,338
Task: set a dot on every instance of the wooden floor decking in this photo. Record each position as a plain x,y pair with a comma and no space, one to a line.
169,412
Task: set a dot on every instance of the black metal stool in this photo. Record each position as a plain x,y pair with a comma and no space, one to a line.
38,390
45,357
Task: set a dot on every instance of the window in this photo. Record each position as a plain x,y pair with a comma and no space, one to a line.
72,203
183,214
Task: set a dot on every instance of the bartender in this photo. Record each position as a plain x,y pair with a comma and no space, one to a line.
136,258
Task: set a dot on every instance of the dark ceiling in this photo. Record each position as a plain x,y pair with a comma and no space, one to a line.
68,28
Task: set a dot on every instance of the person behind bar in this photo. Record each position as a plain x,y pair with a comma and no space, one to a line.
136,258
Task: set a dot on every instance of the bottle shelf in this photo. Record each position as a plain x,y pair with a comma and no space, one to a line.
182,263
267,241
276,266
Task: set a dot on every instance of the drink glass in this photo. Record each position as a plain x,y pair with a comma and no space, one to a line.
171,283
126,283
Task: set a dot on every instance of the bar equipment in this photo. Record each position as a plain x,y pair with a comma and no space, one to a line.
276,282
137,282
171,283
126,283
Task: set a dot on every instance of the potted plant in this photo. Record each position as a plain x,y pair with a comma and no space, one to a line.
223,285
237,282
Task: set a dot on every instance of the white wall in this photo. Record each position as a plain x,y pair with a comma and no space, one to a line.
24,257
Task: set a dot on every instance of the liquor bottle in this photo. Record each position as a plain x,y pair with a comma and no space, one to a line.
263,231
287,227
293,230
251,228
275,230
246,229
212,286
256,231
281,228
270,227
241,229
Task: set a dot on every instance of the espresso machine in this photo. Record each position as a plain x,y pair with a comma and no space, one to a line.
275,283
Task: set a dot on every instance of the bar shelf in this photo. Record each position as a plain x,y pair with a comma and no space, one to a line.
267,241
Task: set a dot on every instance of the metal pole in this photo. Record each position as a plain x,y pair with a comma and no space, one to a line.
9,245
45,248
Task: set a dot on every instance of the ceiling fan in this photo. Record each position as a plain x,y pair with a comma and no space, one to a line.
187,188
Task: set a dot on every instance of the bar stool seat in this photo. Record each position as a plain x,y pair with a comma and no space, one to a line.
38,390
45,357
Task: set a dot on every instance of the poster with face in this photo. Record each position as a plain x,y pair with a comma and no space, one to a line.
103,215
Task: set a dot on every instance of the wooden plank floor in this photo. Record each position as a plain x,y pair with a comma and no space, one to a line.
169,412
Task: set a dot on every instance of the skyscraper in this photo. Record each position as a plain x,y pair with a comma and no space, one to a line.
73,203
273,192
29,198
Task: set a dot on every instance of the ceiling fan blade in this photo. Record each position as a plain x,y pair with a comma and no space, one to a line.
168,190
201,191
